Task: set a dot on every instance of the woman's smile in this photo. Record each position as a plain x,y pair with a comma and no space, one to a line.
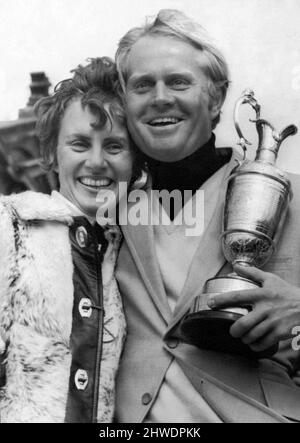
91,158
94,184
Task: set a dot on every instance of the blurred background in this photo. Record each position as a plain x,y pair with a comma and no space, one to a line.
41,41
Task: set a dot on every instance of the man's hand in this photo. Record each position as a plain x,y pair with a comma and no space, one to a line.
275,309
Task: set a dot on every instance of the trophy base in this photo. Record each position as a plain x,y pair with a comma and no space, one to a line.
210,330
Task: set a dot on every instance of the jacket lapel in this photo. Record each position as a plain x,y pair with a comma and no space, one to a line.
208,259
140,241
207,262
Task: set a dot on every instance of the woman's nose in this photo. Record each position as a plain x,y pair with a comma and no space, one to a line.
96,157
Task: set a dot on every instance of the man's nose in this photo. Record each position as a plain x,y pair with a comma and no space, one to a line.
162,96
96,157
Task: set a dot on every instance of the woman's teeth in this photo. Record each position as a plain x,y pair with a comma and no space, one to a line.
95,183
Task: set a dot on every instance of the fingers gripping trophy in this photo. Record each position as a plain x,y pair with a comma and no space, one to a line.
257,198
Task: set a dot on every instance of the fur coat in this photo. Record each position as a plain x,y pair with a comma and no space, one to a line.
36,301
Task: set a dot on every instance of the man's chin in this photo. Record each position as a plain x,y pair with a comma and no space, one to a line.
167,155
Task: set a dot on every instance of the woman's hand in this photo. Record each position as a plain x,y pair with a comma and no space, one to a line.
275,309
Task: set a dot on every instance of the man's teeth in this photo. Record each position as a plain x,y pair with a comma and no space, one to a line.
164,121
95,183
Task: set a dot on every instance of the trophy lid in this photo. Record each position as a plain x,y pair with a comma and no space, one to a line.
269,139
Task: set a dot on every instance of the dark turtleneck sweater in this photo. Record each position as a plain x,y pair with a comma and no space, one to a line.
191,172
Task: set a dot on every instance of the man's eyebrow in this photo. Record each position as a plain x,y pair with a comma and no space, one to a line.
171,73
179,73
136,77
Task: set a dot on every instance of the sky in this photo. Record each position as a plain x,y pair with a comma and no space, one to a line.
260,40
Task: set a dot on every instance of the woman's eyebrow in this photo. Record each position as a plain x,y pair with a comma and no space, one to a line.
116,138
78,135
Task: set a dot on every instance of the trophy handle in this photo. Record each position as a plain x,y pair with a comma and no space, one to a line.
270,140
286,132
247,97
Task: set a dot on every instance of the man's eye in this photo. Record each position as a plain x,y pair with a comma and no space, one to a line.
142,86
179,83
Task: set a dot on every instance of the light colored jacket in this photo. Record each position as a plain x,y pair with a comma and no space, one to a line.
36,303
237,389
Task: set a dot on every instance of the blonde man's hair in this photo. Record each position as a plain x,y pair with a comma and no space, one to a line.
175,24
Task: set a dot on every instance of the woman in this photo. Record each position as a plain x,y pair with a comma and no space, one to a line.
61,317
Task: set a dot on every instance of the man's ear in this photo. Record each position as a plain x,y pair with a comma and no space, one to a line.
216,104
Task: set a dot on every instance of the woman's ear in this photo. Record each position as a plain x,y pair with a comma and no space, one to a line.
54,162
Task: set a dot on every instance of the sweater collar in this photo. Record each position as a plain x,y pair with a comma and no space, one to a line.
192,171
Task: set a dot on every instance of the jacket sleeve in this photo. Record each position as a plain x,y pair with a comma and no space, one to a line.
2,356
7,269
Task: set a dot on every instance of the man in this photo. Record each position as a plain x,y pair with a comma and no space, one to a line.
175,83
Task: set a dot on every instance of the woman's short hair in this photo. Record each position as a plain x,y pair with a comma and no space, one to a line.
96,84
175,24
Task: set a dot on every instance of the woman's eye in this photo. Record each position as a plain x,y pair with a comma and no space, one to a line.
79,145
114,148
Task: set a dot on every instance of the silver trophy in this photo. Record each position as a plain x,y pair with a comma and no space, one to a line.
257,198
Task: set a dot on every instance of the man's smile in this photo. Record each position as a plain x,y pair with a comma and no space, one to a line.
164,121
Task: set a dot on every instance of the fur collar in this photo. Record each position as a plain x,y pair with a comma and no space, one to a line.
30,205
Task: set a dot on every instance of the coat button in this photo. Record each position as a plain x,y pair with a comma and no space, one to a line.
81,379
85,307
81,236
146,398
172,343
